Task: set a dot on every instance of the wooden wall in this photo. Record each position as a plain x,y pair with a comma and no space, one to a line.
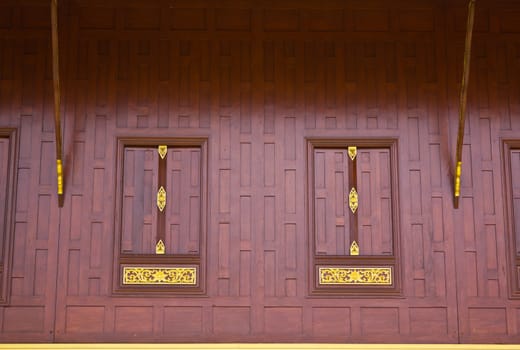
257,78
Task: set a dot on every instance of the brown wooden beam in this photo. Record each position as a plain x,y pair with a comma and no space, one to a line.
161,214
353,213
463,102
57,98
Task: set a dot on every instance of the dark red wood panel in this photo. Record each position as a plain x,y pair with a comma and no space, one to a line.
30,250
481,267
7,174
515,179
256,79
4,175
139,219
375,202
183,219
332,218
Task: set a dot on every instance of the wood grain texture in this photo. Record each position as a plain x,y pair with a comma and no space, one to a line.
255,79
8,163
4,176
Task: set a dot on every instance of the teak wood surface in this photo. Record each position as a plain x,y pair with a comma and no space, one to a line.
259,80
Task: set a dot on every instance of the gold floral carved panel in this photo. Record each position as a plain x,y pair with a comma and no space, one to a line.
355,275
160,275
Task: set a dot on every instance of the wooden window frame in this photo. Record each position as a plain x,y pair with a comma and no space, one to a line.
348,261
7,231
197,261
512,257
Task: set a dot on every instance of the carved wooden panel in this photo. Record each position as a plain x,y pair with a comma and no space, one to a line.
182,205
161,221
352,221
372,184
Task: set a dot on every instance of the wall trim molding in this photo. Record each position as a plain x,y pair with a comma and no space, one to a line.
262,346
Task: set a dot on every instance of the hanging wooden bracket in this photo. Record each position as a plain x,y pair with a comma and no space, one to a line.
57,99
463,102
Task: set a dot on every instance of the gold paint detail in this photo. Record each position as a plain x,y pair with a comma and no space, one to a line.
160,248
353,200
59,172
161,198
352,152
160,275
458,172
355,275
162,150
354,248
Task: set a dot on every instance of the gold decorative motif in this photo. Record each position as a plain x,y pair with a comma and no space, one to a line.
160,275
161,198
352,152
353,200
355,275
160,248
354,248
162,149
458,171
59,171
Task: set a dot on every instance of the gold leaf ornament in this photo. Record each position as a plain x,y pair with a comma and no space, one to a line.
352,152
354,248
353,200
162,150
160,248
355,275
161,198
160,275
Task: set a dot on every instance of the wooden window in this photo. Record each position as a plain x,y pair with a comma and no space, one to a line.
7,185
353,217
512,190
161,227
